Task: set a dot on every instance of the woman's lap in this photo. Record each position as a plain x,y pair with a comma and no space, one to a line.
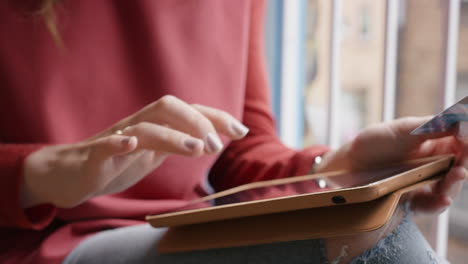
137,244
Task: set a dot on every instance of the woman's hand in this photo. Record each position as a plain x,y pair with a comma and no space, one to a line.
391,142
117,158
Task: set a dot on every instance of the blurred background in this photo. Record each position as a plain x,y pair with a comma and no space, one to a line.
337,66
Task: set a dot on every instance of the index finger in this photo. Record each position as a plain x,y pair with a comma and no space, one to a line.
178,115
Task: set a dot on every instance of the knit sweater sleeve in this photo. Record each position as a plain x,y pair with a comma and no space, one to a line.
12,158
260,155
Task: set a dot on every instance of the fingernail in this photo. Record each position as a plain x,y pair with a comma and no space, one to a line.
192,143
239,129
214,144
128,140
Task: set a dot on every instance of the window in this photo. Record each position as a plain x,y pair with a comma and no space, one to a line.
368,61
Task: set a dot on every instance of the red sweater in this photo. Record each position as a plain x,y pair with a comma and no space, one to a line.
118,57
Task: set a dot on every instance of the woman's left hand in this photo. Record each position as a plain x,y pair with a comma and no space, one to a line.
391,142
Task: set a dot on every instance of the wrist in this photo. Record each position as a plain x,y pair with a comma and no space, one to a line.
31,183
28,198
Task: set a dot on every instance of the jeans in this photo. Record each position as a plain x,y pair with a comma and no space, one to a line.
137,244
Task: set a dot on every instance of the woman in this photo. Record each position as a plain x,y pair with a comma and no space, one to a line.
124,109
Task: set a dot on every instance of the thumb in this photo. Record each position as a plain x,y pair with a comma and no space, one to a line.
404,126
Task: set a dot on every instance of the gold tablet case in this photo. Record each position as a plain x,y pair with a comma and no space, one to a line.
430,167
302,224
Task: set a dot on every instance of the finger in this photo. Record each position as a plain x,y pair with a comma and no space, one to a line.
223,122
122,162
142,163
427,202
453,182
441,146
109,146
404,126
179,115
164,139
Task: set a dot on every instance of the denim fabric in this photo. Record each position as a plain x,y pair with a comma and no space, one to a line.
137,244
404,245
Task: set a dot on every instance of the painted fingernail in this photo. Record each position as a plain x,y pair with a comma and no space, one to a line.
239,129
128,140
214,144
192,143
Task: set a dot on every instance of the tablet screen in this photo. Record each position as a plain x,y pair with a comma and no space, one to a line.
300,187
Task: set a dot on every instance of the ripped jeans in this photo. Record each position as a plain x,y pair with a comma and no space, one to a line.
400,241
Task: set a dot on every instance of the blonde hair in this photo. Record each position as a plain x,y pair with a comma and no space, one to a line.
47,12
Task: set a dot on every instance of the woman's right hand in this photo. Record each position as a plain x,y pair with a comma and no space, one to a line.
120,156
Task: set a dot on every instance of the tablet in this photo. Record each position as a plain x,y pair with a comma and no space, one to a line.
333,221
295,193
